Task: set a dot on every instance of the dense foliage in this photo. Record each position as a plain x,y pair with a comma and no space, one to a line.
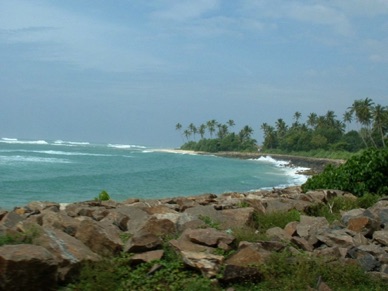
328,133
363,173
223,140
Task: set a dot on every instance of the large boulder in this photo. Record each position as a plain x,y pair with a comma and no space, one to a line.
210,237
27,267
69,252
143,242
100,238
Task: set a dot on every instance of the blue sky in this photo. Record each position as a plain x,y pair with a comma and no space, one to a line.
127,71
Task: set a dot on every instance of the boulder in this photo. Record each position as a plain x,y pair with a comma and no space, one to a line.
277,233
101,239
137,217
232,218
59,220
381,237
142,242
69,252
208,264
339,237
309,227
368,262
363,224
147,257
184,243
209,237
27,267
242,266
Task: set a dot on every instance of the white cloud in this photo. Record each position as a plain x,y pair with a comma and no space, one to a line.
54,34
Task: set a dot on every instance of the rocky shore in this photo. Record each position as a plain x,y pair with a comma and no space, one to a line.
54,240
315,164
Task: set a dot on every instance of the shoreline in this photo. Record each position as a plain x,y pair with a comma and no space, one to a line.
315,165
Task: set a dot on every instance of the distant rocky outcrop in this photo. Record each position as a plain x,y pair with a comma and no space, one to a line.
54,240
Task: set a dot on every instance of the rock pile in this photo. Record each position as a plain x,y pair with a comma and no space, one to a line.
62,237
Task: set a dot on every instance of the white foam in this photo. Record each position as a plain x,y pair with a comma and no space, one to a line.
70,143
30,159
126,146
16,141
269,159
295,178
62,153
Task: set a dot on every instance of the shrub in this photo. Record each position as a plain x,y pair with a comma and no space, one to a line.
363,173
275,219
286,271
103,196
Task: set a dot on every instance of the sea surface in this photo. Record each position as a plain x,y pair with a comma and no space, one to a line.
65,171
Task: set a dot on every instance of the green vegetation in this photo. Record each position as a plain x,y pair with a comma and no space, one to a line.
209,222
275,219
320,136
326,132
225,140
363,173
287,271
103,196
19,237
118,274
333,208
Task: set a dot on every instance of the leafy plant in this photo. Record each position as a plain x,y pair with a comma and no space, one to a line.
363,173
103,196
209,222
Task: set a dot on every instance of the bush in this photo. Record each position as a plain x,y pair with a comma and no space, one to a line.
103,196
275,219
286,271
363,173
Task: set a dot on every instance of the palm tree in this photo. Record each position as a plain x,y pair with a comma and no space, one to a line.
330,118
362,110
202,130
297,116
187,134
380,119
245,133
312,119
222,130
211,126
281,127
193,129
347,118
230,123
178,127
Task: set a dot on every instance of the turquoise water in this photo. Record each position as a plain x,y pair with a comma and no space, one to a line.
61,171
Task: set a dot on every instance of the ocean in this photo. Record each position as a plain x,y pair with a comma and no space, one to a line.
65,172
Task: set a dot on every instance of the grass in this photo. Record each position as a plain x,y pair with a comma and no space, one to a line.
19,237
263,222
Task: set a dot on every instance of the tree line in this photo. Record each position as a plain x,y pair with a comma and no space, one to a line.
216,136
328,132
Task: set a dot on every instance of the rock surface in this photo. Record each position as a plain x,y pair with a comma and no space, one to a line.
198,229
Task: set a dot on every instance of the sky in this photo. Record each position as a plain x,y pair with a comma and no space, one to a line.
127,71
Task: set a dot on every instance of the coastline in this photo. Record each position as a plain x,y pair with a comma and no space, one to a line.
315,165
